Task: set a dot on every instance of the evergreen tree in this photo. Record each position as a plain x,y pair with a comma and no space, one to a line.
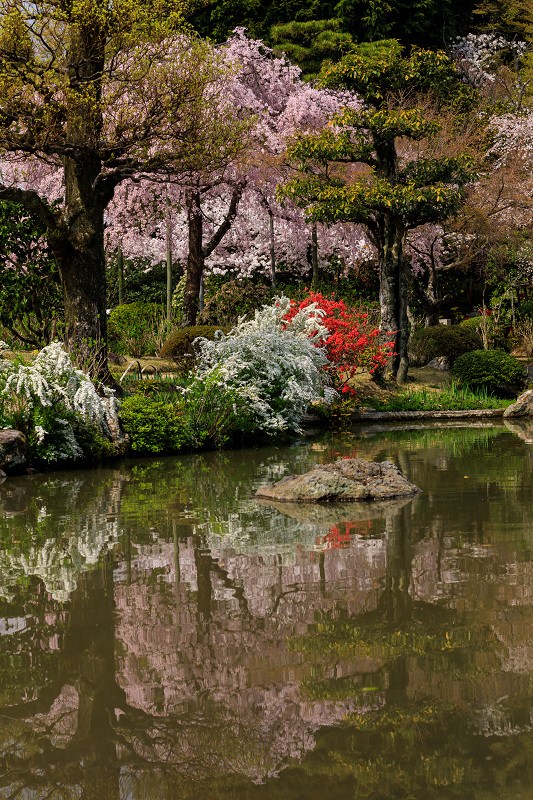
353,172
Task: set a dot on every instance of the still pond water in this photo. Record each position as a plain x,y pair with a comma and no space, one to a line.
163,636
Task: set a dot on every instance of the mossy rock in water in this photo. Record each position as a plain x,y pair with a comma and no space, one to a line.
493,370
450,341
180,344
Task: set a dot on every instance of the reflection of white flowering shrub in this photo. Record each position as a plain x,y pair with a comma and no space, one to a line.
59,562
276,366
39,397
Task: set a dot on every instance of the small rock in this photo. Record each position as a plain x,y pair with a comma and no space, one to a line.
441,362
13,451
347,480
523,406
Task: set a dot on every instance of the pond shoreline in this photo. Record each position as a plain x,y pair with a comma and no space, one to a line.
394,416
310,425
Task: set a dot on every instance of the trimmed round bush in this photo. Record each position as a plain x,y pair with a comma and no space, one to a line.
179,345
497,372
234,299
450,341
130,327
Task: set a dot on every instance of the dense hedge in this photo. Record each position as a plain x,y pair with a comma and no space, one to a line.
494,370
450,341
153,425
179,345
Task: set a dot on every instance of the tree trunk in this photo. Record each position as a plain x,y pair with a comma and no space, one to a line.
195,260
393,296
314,255
272,248
120,270
81,261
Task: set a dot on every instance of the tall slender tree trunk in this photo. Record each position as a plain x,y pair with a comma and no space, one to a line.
272,248
195,259
169,263
314,255
393,295
120,270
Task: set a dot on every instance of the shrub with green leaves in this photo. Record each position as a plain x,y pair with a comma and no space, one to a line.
494,333
498,372
234,299
131,328
154,425
450,341
525,309
179,345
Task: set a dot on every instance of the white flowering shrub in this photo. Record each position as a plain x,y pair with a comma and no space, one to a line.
275,366
50,398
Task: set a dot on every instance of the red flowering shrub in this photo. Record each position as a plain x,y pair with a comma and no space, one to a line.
352,345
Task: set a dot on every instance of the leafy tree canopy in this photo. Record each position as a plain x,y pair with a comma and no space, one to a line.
426,23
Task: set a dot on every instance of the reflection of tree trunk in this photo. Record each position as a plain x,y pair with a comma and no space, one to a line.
396,601
89,653
203,561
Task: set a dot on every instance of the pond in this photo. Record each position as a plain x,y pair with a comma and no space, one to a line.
163,635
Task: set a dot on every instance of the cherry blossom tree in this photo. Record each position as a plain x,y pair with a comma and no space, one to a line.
104,92
231,220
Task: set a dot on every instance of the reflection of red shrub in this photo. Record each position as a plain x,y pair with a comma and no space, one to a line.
336,538
352,345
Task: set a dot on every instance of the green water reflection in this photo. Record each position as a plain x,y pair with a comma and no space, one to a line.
164,635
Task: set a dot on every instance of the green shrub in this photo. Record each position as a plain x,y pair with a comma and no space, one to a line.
154,426
450,341
131,328
235,298
179,345
525,309
496,333
495,370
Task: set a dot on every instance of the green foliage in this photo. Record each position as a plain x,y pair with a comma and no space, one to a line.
233,299
154,426
309,43
215,413
143,282
450,341
131,328
30,292
418,22
493,333
526,309
452,398
179,345
499,372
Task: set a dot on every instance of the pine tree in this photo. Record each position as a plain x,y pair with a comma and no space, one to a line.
353,171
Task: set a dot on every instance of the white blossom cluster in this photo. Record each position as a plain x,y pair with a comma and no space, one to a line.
52,379
475,54
276,366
